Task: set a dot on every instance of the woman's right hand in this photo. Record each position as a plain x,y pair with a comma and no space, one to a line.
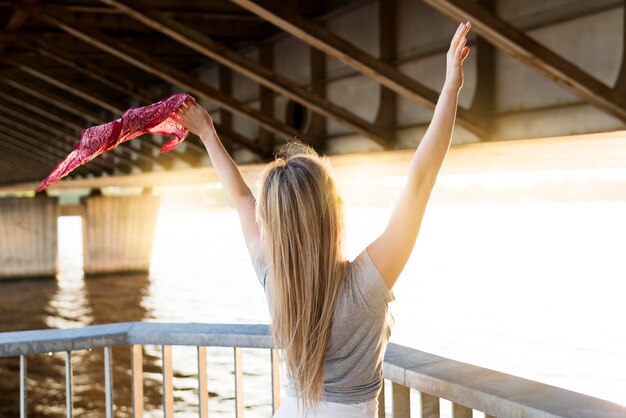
455,57
195,118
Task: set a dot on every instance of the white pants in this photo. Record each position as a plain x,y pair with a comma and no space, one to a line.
291,408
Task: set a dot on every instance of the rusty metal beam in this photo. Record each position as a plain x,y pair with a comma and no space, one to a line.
258,148
94,71
81,111
137,159
145,150
22,161
191,12
387,35
342,50
144,95
45,141
166,72
620,83
206,46
266,96
503,35
84,112
129,88
63,85
14,168
36,153
54,99
483,102
19,100
46,134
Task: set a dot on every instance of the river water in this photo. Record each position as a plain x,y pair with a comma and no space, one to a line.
534,289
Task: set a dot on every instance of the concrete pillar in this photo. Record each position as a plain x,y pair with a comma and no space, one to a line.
118,232
28,237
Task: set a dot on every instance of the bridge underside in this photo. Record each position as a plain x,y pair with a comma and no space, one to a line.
346,75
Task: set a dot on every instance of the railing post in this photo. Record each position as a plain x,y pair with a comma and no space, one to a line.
203,395
381,400
275,380
108,382
137,382
460,411
429,405
23,400
238,383
68,384
168,384
401,403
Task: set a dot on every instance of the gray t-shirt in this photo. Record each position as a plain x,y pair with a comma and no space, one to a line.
362,324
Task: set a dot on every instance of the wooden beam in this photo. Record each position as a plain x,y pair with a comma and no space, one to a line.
179,78
206,46
503,35
323,39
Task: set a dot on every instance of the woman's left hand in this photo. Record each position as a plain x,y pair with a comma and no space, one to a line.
195,118
456,55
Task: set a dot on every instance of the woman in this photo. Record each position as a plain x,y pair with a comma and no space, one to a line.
329,315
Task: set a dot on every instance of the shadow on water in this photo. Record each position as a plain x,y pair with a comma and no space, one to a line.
72,302
24,305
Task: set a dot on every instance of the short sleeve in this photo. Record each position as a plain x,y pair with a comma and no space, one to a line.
371,285
260,268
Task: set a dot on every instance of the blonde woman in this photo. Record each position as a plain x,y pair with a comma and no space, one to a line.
329,315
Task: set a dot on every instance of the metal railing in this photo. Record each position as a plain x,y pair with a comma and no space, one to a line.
468,387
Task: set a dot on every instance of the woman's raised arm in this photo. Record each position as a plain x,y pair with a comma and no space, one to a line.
391,250
195,118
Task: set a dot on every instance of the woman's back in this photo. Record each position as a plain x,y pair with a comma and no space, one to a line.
362,324
338,329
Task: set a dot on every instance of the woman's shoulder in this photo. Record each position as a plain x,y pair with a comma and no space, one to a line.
363,275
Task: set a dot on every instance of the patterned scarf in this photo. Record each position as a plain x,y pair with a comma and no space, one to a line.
154,118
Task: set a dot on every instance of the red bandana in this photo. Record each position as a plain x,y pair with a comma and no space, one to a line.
154,118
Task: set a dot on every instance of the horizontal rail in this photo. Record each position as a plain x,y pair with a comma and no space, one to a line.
13,344
465,385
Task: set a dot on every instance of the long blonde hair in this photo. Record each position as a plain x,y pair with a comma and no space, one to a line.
301,217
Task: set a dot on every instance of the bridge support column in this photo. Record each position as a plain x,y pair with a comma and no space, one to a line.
118,232
28,237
